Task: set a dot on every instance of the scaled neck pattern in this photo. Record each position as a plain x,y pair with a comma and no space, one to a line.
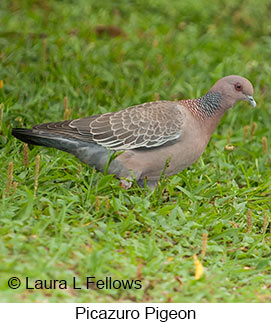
206,106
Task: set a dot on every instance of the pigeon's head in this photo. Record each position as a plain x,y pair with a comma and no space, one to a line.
234,88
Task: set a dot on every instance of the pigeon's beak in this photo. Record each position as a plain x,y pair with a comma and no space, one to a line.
251,100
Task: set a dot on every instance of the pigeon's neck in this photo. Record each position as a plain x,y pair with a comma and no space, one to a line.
209,105
208,109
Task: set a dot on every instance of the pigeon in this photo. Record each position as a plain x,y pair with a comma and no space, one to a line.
144,141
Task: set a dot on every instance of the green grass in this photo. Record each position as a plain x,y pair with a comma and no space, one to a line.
83,223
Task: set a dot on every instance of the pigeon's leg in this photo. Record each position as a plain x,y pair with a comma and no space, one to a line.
125,184
151,184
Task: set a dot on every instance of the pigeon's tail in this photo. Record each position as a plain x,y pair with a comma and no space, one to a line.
47,139
27,135
88,152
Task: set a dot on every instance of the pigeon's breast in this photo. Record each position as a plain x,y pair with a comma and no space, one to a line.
150,163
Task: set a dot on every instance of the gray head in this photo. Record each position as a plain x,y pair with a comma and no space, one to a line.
234,88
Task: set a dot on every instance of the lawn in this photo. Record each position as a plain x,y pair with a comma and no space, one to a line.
60,219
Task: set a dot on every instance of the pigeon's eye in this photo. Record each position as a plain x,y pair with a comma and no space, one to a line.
238,87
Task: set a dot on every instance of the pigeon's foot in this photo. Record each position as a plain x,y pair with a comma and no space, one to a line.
125,184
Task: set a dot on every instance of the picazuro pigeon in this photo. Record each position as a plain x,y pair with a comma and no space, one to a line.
147,136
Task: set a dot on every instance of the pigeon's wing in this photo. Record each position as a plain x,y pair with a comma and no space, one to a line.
146,125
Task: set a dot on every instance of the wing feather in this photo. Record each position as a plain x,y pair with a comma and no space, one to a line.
143,126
